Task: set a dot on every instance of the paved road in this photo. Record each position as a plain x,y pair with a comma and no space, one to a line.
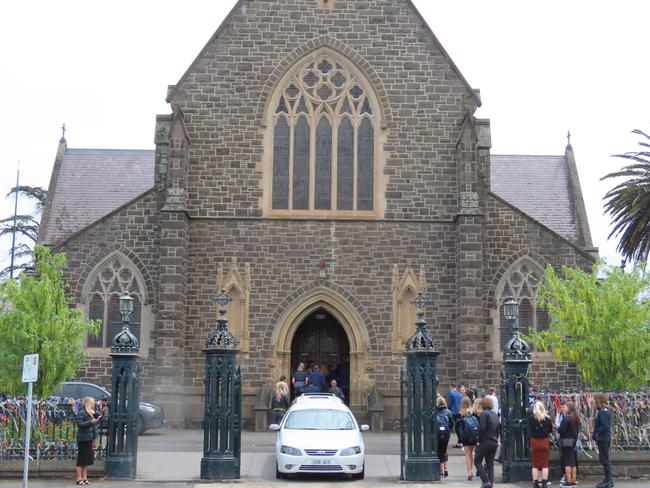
171,459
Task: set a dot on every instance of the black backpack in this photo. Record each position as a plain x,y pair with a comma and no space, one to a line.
470,430
443,424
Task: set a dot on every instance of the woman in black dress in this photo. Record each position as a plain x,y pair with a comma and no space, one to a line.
87,420
569,431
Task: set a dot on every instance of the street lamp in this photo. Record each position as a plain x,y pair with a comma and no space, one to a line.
126,307
510,309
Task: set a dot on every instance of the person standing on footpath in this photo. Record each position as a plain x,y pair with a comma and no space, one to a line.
603,437
87,420
335,390
569,431
495,401
539,429
445,423
454,398
280,399
488,441
468,427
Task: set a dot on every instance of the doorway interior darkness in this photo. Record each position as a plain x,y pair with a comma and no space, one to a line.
321,340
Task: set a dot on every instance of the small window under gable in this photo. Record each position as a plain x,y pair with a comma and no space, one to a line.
322,137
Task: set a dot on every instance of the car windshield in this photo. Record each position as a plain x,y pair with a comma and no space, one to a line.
319,419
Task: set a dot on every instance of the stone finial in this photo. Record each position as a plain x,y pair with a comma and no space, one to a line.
568,138
62,140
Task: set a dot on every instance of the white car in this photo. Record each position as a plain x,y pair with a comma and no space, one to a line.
319,434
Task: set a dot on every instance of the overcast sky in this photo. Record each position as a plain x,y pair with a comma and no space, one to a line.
543,68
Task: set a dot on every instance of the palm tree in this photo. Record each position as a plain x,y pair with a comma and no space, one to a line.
628,203
27,226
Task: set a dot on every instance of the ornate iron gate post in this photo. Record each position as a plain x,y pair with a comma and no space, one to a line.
515,452
122,457
222,422
420,437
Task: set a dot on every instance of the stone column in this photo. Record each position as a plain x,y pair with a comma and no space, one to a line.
471,323
172,154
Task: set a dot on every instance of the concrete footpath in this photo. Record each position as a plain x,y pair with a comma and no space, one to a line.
171,459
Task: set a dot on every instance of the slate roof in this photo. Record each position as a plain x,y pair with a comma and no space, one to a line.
540,187
88,184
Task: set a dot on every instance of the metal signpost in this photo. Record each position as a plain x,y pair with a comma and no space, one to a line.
30,375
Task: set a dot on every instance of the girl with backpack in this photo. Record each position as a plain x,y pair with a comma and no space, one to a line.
445,421
467,429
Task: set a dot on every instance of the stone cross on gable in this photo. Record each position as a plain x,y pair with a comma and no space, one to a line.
326,4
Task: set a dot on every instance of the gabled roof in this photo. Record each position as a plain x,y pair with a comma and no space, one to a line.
543,188
88,184
473,93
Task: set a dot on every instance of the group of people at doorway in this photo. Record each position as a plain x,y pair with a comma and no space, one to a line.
310,380
477,426
315,379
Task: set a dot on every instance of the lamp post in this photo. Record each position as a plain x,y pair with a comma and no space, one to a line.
418,425
515,452
222,420
123,411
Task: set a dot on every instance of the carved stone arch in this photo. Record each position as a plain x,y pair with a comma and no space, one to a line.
404,290
237,285
102,298
520,277
148,295
341,49
343,175
505,266
352,322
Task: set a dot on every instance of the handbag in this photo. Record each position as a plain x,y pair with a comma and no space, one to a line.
567,442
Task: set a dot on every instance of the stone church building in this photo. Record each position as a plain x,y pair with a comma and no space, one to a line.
321,162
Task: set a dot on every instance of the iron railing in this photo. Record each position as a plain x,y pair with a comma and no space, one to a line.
630,416
53,430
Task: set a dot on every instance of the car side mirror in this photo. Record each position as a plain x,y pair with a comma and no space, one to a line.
364,427
274,427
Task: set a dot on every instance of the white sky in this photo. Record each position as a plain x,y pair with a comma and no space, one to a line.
542,67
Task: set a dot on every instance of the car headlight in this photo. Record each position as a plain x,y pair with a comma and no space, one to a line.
350,451
291,451
147,408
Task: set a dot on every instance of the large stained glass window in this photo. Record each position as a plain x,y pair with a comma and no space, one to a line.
324,136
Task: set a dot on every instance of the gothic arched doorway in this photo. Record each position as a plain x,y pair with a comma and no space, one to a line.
321,340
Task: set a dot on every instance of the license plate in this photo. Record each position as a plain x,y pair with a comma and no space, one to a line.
321,461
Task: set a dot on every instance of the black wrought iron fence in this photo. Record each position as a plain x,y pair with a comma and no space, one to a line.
630,416
53,429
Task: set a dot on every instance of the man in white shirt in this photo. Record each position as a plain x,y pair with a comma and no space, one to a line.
495,401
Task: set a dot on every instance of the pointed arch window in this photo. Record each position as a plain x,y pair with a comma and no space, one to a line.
523,282
324,125
109,282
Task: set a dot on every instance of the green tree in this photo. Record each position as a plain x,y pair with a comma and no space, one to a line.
628,203
37,318
601,322
27,227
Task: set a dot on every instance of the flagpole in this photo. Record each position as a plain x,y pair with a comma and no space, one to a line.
13,238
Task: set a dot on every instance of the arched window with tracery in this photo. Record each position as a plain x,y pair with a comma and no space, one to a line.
105,286
522,281
324,120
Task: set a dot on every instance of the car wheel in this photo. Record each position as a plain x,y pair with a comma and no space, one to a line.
278,474
140,425
359,476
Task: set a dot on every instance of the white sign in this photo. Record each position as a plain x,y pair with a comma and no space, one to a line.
30,368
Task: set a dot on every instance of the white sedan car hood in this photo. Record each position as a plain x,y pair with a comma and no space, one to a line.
320,439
